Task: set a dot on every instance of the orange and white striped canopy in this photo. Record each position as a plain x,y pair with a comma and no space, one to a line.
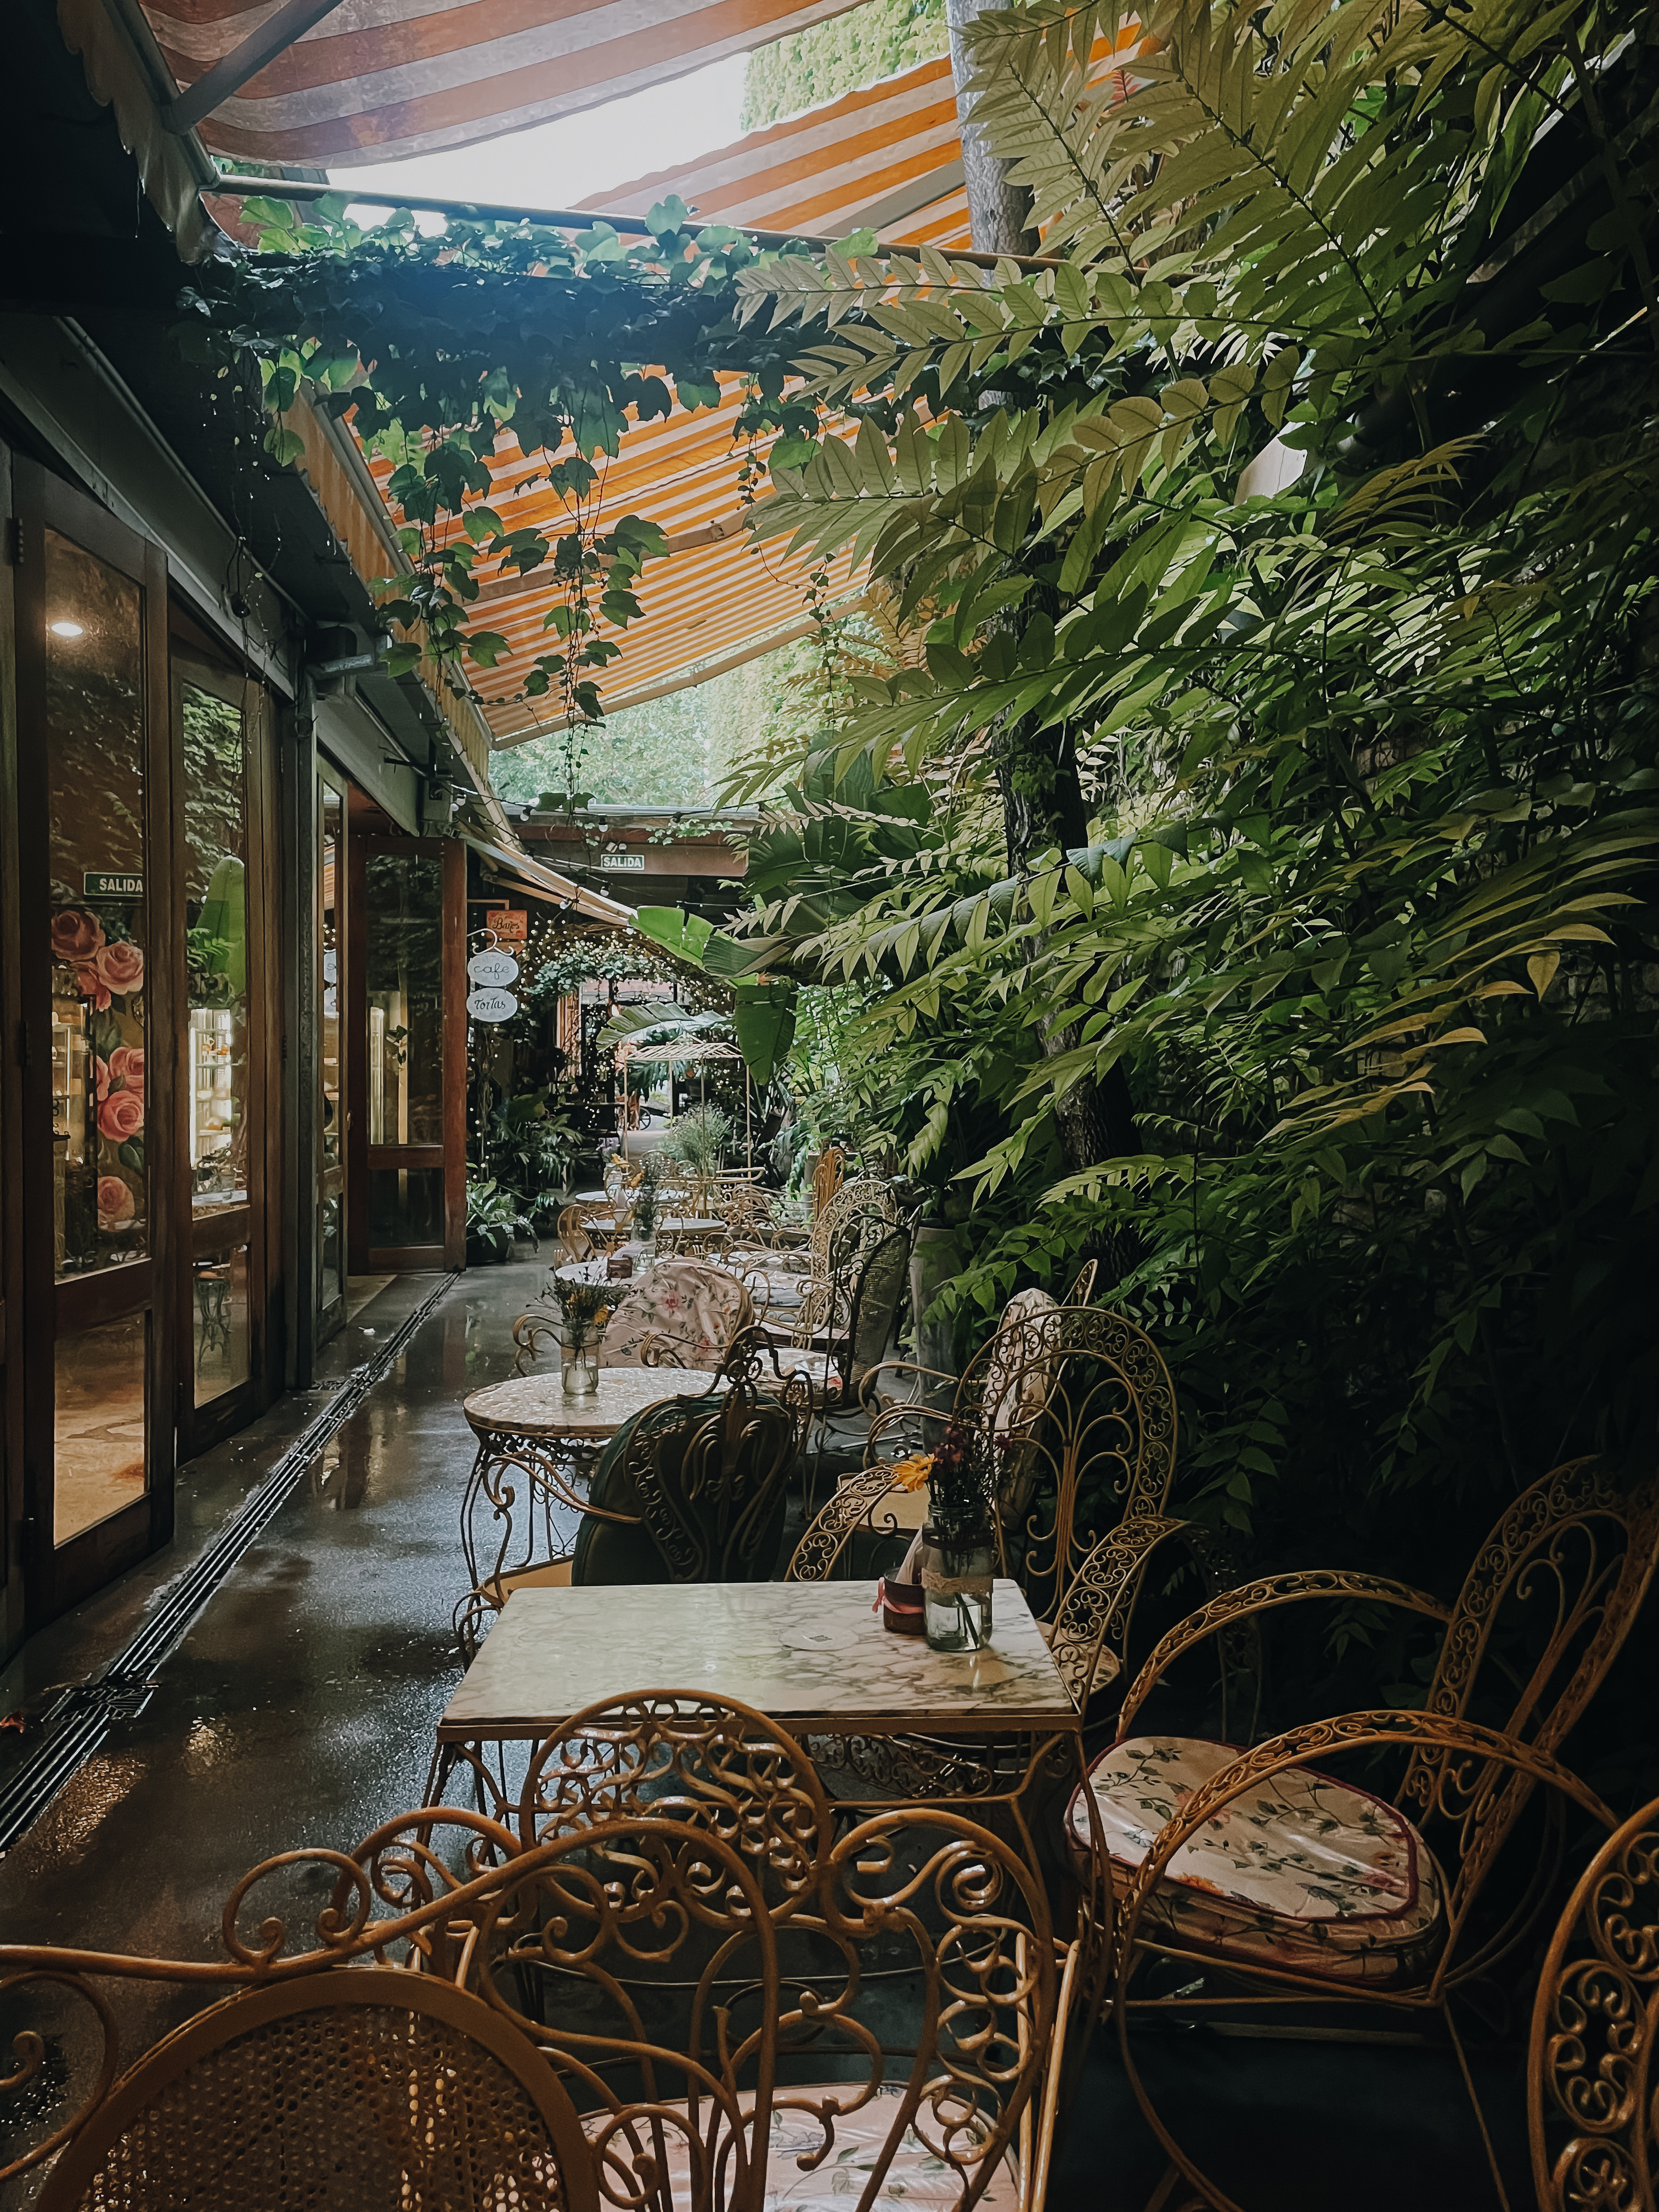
383,80
888,159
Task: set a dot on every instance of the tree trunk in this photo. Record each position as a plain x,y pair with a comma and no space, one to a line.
999,213
1037,773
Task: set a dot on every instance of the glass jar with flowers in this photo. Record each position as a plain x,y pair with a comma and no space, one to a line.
584,1310
959,1544
645,1213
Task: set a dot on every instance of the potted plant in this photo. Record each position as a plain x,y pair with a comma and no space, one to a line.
959,1544
494,1216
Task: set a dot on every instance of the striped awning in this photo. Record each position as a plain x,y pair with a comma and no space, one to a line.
715,600
382,80
888,159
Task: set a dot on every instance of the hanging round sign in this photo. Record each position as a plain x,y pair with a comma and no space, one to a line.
491,1006
493,968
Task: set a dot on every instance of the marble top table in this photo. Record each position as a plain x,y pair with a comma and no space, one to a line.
688,1225
540,1406
812,1654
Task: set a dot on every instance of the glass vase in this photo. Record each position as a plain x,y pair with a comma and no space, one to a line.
578,1362
957,1575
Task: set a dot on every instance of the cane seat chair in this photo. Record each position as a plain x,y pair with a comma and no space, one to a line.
1259,1864
1592,2114
373,2086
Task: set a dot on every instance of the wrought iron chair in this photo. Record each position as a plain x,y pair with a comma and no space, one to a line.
686,1897
1591,2113
372,2087
1076,1409
1209,1845
690,1990
874,1500
848,1226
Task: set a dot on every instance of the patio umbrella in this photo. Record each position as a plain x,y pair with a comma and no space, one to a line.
697,1051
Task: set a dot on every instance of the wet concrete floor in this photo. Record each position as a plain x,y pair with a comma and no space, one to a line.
298,1708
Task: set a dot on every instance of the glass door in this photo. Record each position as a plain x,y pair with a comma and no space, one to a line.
331,1111
221,1118
407,1131
101,1041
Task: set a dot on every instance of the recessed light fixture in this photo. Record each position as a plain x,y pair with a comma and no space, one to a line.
66,629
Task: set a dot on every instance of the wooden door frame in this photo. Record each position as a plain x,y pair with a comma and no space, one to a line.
451,1155
57,1576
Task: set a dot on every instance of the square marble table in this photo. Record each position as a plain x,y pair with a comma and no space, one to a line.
813,1656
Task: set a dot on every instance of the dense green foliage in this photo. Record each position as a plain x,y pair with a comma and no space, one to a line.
680,750
1347,792
851,50
1264,769
436,344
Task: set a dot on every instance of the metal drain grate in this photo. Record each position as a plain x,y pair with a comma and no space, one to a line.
77,1722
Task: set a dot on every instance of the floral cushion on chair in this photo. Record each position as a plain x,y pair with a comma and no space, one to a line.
1303,1872
697,1310
917,2176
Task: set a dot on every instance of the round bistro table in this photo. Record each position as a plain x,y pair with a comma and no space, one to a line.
532,1424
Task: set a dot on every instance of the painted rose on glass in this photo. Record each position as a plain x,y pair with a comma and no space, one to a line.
100,1077
116,1205
76,936
91,985
120,967
121,1115
126,1068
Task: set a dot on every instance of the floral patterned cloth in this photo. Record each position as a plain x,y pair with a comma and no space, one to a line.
1018,1379
697,1309
917,2175
1302,1872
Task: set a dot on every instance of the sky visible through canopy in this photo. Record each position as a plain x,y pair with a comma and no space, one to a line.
556,164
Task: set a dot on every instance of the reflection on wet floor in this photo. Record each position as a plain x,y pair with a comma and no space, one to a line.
300,1707
99,1453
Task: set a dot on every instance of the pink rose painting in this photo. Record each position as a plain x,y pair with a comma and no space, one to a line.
115,1202
100,1075
126,1067
92,986
120,966
121,1115
76,935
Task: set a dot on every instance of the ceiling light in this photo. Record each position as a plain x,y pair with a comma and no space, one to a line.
66,629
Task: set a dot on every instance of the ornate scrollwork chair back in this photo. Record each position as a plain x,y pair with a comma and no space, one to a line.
517,1521
893,2019
308,2082
683,1755
1592,2113
1078,1413
1541,1616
